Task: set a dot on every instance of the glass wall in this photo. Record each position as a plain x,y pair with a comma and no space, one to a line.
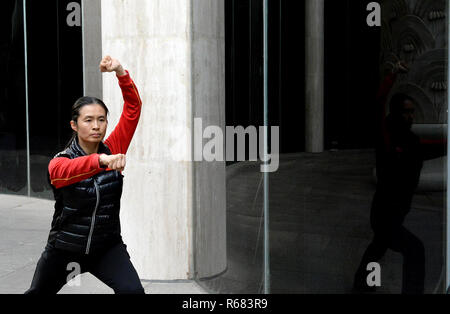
13,157
54,74
367,213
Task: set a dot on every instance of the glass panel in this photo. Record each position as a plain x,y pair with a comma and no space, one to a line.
447,253
13,153
55,82
244,181
367,193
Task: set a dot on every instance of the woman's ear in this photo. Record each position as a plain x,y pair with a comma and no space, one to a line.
73,125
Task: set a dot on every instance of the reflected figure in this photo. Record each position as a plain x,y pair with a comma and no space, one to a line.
399,158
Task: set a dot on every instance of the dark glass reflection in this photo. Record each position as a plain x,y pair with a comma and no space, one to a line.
55,82
338,211
244,83
13,155
400,156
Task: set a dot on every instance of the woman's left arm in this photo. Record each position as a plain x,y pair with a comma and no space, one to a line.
120,139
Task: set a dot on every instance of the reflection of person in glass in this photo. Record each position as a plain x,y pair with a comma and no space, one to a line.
399,159
87,183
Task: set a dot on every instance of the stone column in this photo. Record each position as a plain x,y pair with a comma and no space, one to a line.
92,48
314,69
173,211
208,79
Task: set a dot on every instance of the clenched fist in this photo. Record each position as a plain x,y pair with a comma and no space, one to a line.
113,162
109,64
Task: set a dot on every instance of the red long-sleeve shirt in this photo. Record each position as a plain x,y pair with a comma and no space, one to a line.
65,171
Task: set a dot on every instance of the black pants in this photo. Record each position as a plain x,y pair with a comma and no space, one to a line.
113,267
389,233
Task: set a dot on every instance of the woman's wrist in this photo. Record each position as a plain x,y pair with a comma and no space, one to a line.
101,160
120,71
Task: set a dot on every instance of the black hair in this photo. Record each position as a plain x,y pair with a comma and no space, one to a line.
396,103
80,103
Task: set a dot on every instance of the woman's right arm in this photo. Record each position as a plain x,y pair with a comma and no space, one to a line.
382,97
64,171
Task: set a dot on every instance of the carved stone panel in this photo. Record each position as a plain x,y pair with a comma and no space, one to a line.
415,31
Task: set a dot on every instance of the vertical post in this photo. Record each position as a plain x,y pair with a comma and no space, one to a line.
250,60
266,174
26,94
280,71
91,29
58,92
447,242
83,45
314,68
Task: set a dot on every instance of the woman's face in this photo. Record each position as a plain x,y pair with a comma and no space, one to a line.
92,123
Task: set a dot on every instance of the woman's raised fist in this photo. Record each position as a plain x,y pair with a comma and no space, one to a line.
109,64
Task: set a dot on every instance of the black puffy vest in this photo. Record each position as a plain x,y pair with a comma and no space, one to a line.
86,218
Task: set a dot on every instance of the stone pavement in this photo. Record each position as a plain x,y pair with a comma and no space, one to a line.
24,226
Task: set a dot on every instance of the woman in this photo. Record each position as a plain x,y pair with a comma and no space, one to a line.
87,184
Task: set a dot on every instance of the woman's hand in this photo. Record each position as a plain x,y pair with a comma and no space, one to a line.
113,162
109,64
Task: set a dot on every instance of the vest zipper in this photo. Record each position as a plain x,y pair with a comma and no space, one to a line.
93,217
